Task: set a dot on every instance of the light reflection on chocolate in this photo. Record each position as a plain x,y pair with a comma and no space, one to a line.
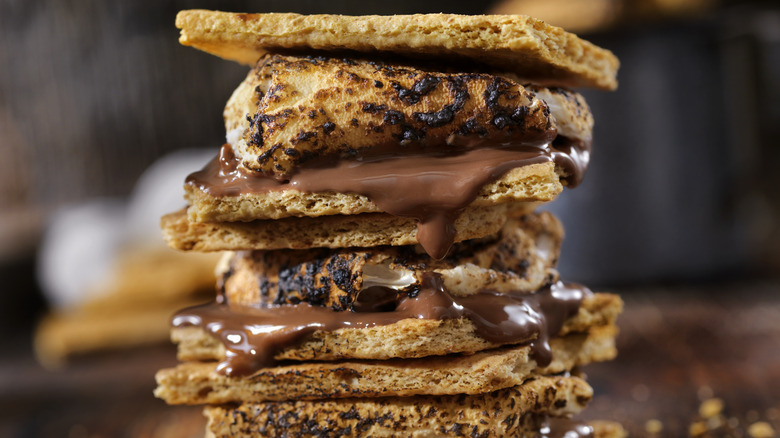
252,336
432,187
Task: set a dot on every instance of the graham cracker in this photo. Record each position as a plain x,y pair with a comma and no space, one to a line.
539,182
364,230
519,44
512,411
408,338
491,370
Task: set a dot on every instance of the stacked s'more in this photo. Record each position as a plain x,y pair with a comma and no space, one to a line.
387,273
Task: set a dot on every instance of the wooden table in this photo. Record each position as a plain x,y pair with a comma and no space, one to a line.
678,348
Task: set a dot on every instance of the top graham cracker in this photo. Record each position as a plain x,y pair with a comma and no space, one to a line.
516,44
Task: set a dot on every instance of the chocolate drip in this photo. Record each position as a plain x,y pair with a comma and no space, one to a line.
553,427
252,336
432,187
572,156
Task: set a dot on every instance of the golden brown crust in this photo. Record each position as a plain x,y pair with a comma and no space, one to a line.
309,108
198,382
408,338
365,230
515,411
518,259
513,43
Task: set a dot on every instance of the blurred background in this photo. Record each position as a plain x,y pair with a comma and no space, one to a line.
683,189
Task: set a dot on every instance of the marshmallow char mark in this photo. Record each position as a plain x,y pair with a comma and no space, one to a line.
251,336
518,259
290,111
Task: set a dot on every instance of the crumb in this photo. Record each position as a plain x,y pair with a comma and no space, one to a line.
654,427
711,408
761,429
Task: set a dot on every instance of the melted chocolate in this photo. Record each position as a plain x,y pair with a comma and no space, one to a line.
572,156
252,336
553,427
432,188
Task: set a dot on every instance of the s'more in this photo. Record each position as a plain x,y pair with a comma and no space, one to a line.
388,272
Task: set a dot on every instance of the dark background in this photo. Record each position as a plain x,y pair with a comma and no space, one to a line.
682,191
